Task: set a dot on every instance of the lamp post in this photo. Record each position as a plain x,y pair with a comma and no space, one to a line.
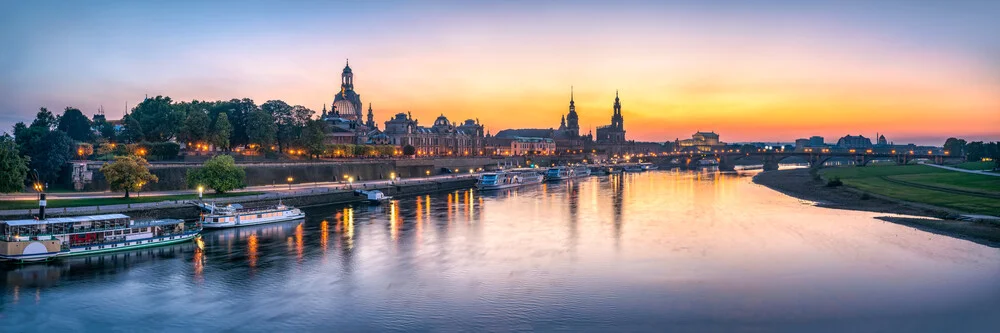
290,179
201,190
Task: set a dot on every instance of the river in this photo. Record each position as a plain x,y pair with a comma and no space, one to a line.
650,251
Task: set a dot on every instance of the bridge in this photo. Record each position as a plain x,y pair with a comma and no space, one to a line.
728,160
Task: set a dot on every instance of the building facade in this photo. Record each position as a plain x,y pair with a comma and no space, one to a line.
532,146
442,139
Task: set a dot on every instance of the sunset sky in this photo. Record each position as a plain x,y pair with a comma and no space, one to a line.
915,71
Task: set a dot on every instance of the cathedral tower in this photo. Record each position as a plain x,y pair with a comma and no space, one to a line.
572,119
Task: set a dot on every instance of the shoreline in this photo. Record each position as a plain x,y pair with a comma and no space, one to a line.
798,183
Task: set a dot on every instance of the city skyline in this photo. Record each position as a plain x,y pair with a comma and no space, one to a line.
774,74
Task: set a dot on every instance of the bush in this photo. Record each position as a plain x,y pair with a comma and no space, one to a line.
834,182
219,173
865,196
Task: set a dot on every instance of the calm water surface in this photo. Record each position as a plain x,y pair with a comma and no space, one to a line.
638,252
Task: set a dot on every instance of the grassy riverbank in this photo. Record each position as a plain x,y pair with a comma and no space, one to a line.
84,202
801,184
964,192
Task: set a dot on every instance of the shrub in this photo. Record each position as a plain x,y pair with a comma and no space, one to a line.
834,182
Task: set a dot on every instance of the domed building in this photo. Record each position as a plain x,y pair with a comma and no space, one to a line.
347,102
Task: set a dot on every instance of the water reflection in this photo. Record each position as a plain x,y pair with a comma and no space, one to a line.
707,249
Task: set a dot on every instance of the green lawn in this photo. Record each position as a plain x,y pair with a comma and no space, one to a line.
975,165
60,203
878,180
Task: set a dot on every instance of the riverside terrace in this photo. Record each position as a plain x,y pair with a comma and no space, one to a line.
816,158
300,195
85,176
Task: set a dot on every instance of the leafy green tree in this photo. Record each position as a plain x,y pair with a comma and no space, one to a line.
409,150
261,129
49,153
313,137
955,147
195,127
219,173
159,118
286,129
76,125
132,132
221,132
104,128
44,119
128,173
975,151
13,167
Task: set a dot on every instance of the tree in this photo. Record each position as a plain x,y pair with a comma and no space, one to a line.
104,128
409,150
281,112
133,130
128,173
50,154
76,125
13,167
955,147
975,151
195,127
313,137
219,173
44,119
261,129
159,117
221,132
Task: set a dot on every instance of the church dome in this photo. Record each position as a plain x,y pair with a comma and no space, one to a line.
441,121
345,108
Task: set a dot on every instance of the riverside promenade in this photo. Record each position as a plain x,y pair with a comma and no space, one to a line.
302,194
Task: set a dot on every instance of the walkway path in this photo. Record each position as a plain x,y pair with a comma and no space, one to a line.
978,172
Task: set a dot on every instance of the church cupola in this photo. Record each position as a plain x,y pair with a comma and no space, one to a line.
347,78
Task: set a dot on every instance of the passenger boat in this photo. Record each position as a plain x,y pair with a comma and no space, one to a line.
561,173
234,215
633,168
648,166
507,179
373,196
43,239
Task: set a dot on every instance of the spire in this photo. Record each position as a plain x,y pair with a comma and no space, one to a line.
570,95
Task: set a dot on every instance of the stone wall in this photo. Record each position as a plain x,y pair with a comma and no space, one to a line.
173,176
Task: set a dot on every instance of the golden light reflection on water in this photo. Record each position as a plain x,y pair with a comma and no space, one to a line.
252,250
299,244
199,265
324,235
394,221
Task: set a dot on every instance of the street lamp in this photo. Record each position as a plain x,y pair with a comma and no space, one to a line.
290,179
201,190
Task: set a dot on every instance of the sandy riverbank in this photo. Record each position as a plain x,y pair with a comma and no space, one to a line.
800,184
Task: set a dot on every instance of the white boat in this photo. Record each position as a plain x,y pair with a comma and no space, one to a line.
648,166
561,173
234,215
373,196
633,168
37,240
507,179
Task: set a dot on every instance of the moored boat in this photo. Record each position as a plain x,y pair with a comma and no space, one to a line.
36,240
235,215
373,196
507,179
633,168
562,172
